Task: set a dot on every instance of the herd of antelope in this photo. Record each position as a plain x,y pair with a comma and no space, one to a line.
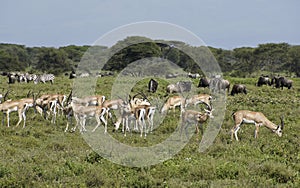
137,109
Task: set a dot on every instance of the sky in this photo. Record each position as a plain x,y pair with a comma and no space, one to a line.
226,24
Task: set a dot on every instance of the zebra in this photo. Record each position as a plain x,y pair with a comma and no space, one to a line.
44,78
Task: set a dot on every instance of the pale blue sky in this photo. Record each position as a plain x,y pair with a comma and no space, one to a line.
219,23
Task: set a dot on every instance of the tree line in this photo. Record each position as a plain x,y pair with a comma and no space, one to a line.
240,62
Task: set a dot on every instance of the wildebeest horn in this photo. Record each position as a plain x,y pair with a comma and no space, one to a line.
282,122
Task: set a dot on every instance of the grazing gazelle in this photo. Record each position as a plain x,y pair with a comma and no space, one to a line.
171,103
198,99
191,116
81,113
258,119
17,105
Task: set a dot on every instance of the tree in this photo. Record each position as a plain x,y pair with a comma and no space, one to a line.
294,60
53,61
13,57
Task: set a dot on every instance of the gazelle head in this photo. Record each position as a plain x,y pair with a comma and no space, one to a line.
279,129
134,101
209,113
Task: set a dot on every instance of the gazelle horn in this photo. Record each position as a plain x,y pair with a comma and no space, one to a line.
282,122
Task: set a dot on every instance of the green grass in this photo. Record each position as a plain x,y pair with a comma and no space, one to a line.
43,155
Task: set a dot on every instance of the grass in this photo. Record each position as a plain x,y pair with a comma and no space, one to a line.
42,154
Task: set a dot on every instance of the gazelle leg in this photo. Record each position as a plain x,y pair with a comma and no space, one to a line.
256,130
83,124
236,131
3,117
7,116
20,117
186,130
24,118
197,128
105,123
123,125
117,124
98,123
201,128
67,126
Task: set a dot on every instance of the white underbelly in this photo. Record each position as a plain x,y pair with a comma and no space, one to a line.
248,121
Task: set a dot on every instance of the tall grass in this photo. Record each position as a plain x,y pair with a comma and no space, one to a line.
42,154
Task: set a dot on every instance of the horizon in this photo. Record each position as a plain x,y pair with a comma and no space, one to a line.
57,47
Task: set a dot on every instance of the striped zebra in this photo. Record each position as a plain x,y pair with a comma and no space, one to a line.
44,78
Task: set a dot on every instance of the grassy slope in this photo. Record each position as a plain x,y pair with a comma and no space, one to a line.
42,154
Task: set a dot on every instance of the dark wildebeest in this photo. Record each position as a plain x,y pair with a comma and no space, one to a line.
219,84
181,86
152,85
238,88
72,75
21,77
282,82
263,80
11,78
203,82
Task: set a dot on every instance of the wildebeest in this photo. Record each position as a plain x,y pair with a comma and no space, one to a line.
282,82
238,88
219,84
152,85
72,75
263,80
204,82
11,78
181,86
21,77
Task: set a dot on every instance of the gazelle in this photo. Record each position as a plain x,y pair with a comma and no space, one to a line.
139,110
17,105
113,104
200,98
137,113
75,107
145,104
121,105
172,102
47,102
191,116
256,118
82,112
147,113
